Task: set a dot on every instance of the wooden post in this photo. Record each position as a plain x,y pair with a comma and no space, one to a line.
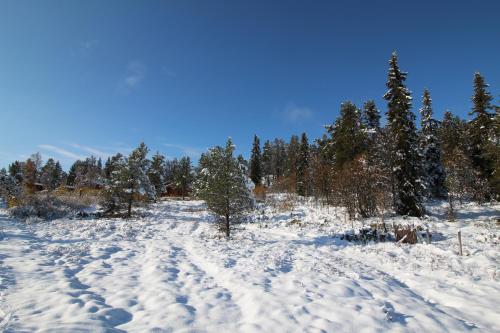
460,242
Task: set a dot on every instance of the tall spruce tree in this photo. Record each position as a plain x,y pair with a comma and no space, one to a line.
280,158
256,162
406,164
267,163
292,151
452,135
303,181
481,128
347,135
430,146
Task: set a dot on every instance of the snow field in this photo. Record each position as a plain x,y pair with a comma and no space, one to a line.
167,271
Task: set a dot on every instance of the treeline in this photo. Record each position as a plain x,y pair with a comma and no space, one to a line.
120,182
370,168
358,163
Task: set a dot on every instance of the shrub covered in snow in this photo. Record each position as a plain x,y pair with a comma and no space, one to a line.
45,206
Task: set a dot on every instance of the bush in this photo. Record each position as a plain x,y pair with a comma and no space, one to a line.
45,206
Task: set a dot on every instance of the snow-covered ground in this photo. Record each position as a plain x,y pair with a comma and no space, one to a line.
168,272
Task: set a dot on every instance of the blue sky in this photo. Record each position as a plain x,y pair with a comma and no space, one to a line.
97,77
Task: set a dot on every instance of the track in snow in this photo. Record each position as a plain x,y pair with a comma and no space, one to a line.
167,272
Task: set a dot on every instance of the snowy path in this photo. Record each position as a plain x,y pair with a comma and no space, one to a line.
167,272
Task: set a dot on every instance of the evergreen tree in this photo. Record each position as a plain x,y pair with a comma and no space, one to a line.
99,164
156,173
267,163
184,176
87,173
171,170
9,187
371,116
348,139
292,152
256,162
302,186
244,164
430,147
493,152
129,180
406,164
222,184
481,128
116,195
452,135
51,174
72,173
321,165
16,171
109,166
280,158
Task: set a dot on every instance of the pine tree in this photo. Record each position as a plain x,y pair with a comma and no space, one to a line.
481,128
116,195
321,165
292,151
280,158
184,176
9,187
406,164
156,173
87,173
430,147
371,116
493,152
99,165
138,166
348,139
72,173
109,166
59,175
267,163
51,174
16,171
129,180
222,184
302,185
255,162
452,135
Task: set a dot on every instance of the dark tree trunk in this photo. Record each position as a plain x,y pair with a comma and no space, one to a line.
227,226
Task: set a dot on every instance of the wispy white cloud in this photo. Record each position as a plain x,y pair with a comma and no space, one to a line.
61,151
136,73
186,150
94,151
295,113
